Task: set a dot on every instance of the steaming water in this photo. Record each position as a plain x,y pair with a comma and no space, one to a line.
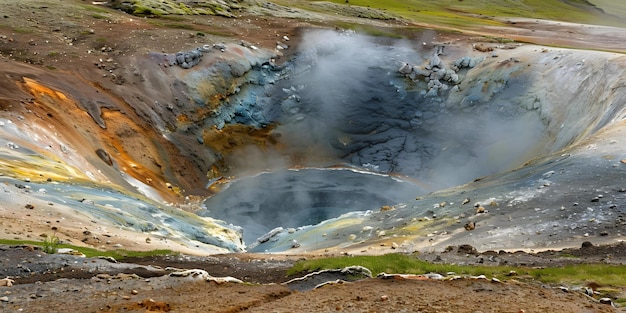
344,98
293,198
342,95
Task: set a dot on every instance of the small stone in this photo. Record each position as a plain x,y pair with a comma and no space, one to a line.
587,244
385,208
480,209
384,298
434,276
466,201
29,206
134,292
470,226
4,299
7,282
466,249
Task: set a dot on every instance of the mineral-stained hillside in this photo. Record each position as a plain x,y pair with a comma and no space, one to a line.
159,105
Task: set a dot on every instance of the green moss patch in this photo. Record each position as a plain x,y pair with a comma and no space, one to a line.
119,254
604,274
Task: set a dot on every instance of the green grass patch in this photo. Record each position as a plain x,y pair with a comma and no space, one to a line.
465,14
99,16
567,255
50,244
610,275
397,264
369,30
119,254
19,242
498,39
93,8
147,11
604,274
22,30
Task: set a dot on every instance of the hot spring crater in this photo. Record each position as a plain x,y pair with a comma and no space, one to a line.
377,123
354,143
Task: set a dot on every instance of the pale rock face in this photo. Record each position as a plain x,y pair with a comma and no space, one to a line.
6,282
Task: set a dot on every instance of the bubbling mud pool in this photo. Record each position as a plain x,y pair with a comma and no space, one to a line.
294,198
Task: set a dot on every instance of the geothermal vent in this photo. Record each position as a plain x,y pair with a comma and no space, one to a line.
374,123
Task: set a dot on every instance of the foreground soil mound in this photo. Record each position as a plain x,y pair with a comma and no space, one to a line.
178,283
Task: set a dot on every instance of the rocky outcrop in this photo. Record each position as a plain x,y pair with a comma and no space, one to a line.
439,76
177,7
189,59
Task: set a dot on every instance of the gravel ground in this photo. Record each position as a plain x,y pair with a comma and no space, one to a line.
48,283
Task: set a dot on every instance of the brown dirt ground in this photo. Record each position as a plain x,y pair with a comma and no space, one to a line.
47,35
101,290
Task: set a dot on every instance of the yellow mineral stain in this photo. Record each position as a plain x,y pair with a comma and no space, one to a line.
38,90
234,136
129,144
